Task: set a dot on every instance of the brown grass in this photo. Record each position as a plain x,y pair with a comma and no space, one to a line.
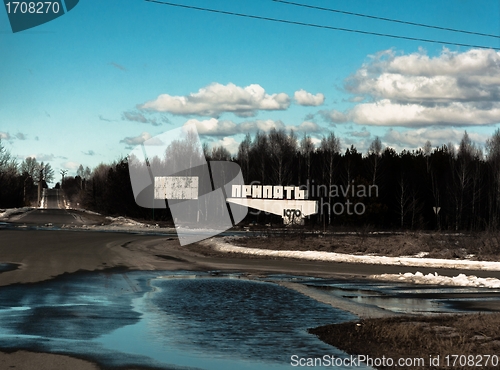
417,337
483,246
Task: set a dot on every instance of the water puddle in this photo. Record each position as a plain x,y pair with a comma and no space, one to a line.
411,299
5,267
166,319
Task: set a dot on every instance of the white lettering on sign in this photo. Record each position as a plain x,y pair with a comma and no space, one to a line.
267,192
256,191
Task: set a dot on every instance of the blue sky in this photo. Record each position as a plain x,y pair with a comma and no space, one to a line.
87,86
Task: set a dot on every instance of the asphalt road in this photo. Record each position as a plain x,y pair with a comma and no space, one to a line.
53,199
53,211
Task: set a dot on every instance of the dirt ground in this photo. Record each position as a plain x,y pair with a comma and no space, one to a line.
474,336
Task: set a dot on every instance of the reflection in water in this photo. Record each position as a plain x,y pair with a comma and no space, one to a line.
407,298
141,318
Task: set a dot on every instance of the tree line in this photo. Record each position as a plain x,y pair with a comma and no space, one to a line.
449,187
20,182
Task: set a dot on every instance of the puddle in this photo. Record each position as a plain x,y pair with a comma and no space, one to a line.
166,319
407,298
5,267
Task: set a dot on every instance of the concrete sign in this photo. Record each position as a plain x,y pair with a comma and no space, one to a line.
171,169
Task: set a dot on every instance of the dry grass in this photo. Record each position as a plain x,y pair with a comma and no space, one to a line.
417,337
483,246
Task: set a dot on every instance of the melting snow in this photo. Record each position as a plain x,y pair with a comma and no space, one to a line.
459,280
6,213
350,258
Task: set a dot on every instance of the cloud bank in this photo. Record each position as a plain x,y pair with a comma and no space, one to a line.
416,90
215,99
215,127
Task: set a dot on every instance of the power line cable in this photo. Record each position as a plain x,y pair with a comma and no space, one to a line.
385,19
319,25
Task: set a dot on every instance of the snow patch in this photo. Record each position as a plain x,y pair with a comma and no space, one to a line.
435,279
7,213
350,258
123,221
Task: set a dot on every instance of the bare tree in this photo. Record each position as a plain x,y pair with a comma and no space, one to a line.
243,156
8,177
80,172
463,170
259,155
374,154
29,167
8,164
87,173
493,158
282,148
330,148
477,187
306,150
427,154
220,154
404,198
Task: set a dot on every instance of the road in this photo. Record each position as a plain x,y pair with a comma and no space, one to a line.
51,212
53,199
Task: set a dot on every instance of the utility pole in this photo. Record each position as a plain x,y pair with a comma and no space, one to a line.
40,179
63,173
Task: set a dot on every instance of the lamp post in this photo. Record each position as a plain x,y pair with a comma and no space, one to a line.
63,173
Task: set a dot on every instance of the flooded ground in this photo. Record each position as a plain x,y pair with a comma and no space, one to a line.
412,299
164,319
197,320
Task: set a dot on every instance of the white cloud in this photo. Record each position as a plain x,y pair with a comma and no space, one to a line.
356,99
417,90
361,144
387,113
262,125
70,165
363,133
135,116
228,143
137,140
316,141
215,99
43,157
437,136
215,127
334,116
9,137
306,126
303,97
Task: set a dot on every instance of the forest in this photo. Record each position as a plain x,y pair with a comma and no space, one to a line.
455,186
